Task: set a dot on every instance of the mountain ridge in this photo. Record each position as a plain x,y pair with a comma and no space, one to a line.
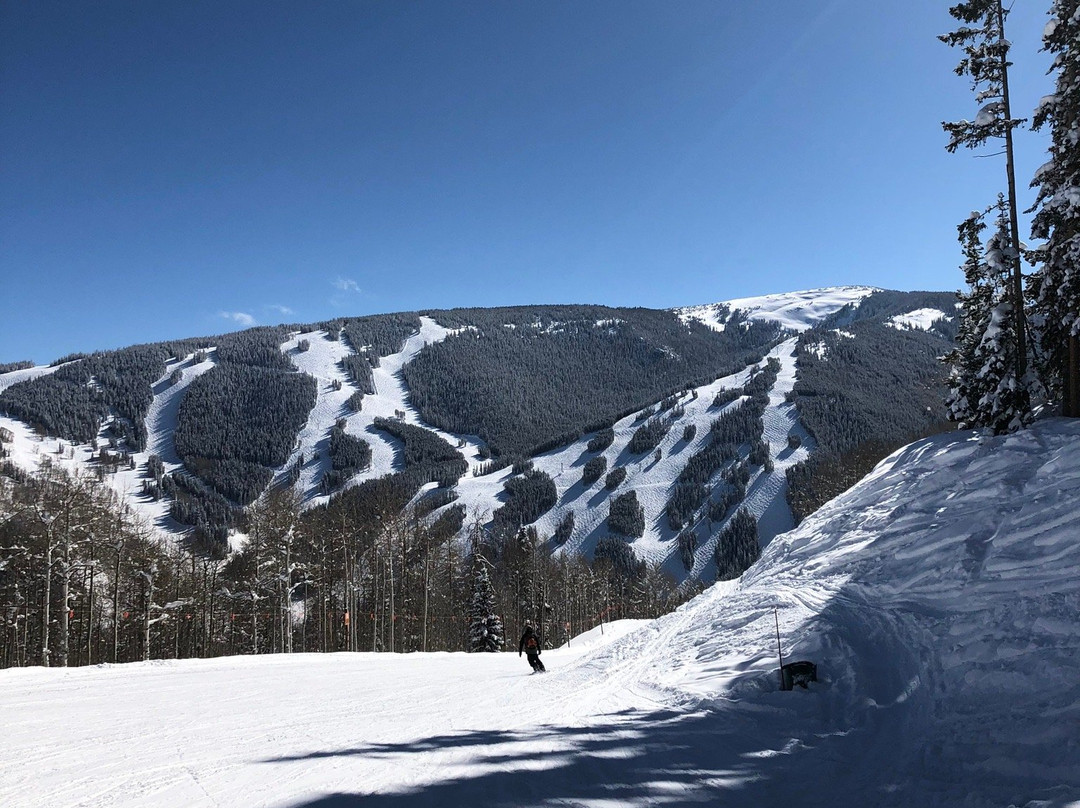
321,354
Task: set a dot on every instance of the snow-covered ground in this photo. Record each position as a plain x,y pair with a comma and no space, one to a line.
939,599
797,311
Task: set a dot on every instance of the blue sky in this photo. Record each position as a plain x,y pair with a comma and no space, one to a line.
174,169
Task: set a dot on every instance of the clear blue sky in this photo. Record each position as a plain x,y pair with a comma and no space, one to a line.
174,169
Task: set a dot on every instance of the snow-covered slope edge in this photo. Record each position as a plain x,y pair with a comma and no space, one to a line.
939,598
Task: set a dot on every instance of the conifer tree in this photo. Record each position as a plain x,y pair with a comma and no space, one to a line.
982,39
1055,288
485,627
984,388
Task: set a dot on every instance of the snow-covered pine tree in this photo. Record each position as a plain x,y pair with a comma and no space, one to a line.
485,627
1055,287
982,39
984,389
972,312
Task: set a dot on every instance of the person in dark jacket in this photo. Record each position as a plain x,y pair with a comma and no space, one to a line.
530,644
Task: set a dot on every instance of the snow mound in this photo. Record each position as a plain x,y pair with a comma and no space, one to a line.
938,598
604,634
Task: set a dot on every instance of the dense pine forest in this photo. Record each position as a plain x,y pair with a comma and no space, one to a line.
528,379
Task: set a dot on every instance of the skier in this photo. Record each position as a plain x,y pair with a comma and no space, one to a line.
530,643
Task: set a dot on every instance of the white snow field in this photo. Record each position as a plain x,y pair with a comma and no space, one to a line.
797,311
16,376
939,599
923,319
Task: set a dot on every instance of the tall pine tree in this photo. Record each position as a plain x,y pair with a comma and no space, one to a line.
485,627
982,39
1055,288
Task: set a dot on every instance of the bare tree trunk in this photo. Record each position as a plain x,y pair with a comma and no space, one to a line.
287,606
208,612
46,597
427,571
1014,228
176,598
63,636
116,602
390,563
90,611
374,596
148,600
254,620
350,633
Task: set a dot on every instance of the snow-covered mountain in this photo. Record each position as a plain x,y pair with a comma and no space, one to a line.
938,598
688,417
796,311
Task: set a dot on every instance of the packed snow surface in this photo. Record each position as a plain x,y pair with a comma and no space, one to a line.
16,376
797,311
939,599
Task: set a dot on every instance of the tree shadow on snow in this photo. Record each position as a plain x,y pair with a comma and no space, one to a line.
633,758
858,737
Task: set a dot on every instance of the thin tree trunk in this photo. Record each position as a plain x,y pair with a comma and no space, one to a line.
427,570
116,605
148,599
90,611
176,599
390,562
46,596
374,596
288,597
254,620
1014,227
64,638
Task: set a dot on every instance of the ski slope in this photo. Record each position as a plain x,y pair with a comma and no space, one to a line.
938,597
28,448
390,400
653,480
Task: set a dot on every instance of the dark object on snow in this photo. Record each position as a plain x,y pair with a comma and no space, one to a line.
530,644
797,673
